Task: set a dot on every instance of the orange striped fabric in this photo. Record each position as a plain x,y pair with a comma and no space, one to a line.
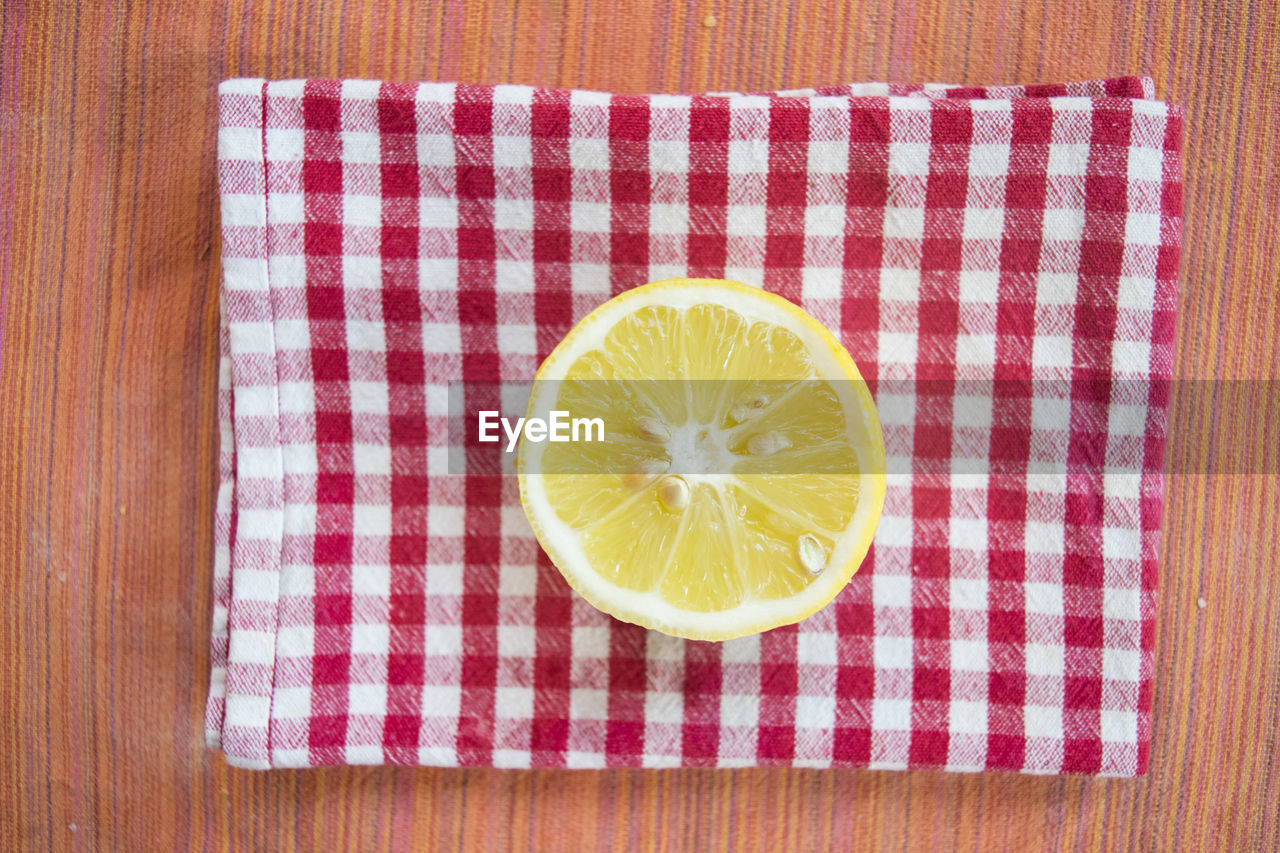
107,359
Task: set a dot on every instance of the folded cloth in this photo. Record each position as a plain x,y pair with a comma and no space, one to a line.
1002,263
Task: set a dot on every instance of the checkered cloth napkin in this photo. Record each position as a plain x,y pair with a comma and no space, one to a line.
383,240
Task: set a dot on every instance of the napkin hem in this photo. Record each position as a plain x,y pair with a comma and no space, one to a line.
258,516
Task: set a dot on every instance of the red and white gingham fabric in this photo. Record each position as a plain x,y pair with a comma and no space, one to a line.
382,240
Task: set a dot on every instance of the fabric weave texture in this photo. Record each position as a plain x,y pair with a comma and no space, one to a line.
382,240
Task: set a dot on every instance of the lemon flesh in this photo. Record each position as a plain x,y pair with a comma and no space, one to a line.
741,474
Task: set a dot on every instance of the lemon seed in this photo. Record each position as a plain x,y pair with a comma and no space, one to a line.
644,473
812,555
652,429
748,409
767,443
674,493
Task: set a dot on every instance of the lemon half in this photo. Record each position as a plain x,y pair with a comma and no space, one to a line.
740,475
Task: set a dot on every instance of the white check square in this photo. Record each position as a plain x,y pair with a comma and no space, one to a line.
892,652
889,715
